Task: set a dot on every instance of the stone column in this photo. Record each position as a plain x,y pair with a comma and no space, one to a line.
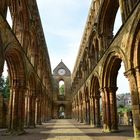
84,111
17,107
43,109
91,110
46,113
78,113
81,112
134,83
113,108
106,110
97,111
75,111
38,121
27,109
88,111
32,109
94,112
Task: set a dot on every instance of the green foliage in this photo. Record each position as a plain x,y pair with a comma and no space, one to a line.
2,83
4,86
122,109
61,90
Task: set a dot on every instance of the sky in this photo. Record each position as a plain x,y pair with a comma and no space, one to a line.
63,23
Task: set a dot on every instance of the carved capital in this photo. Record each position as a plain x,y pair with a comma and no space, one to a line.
129,73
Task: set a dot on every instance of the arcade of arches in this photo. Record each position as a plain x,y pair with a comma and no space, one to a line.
93,81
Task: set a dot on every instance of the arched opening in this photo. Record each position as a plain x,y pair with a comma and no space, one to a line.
61,112
17,82
9,17
110,98
123,98
30,101
109,21
118,22
95,102
61,88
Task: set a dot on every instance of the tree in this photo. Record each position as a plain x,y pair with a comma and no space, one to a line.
4,87
6,92
2,83
61,90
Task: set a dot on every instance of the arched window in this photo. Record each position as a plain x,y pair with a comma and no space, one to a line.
61,88
61,112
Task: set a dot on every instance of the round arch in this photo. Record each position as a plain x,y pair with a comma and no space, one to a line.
16,65
17,76
106,19
109,75
111,66
95,112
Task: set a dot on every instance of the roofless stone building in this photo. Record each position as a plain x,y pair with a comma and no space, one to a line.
33,88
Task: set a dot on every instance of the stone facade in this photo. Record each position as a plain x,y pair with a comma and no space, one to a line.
34,91
24,49
65,99
94,78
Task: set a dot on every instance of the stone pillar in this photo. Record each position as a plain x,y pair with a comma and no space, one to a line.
46,109
78,113
88,111
27,99
84,111
75,111
49,108
16,108
43,109
91,110
113,108
97,110
81,112
106,110
39,111
134,82
94,112
32,101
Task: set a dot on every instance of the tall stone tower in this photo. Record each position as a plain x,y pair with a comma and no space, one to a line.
62,103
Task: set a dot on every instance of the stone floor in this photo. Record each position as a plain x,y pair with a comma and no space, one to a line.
69,130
